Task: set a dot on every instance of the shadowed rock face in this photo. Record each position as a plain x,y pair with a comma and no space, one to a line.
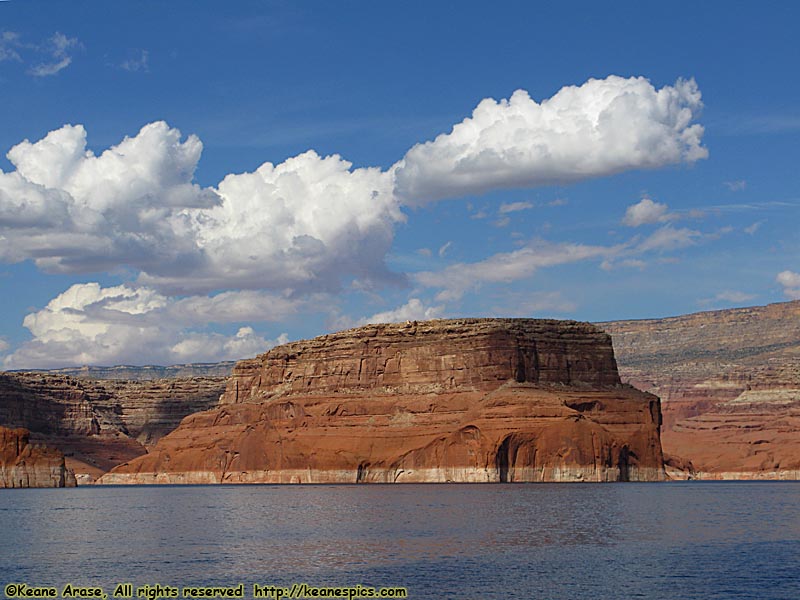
99,424
449,400
729,381
25,465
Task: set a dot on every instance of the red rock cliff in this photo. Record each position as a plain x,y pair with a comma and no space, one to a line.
24,465
436,401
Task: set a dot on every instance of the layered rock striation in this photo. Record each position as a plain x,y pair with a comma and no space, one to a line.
147,372
470,400
729,381
27,465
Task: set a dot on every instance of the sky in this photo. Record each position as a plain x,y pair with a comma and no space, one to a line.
193,181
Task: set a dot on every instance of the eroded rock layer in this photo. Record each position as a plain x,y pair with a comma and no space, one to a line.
27,465
729,382
449,400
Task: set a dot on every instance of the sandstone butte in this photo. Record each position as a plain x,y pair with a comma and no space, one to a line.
24,465
469,400
729,381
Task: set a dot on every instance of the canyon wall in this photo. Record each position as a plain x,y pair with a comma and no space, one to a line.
436,401
99,424
729,381
27,465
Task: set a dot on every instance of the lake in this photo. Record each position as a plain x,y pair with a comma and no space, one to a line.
635,540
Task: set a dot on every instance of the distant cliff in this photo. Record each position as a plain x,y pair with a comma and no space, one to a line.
99,424
729,381
435,401
27,465
147,372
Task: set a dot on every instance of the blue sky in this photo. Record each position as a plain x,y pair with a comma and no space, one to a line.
647,168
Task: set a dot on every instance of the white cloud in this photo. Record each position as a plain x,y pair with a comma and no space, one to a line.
644,212
603,127
443,250
413,310
89,324
668,238
10,45
506,208
58,48
3,345
730,296
631,263
506,267
791,284
306,222
736,186
751,229
535,304
137,63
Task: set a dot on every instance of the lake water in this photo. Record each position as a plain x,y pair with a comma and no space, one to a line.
670,540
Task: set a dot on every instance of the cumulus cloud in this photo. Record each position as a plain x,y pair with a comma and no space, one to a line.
644,212
791,284
89,324
289,232
59,48
505,267
602,127
306,222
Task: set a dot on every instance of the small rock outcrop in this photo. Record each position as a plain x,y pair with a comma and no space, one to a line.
464,400
27,465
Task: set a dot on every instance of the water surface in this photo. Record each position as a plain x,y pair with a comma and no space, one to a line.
670,540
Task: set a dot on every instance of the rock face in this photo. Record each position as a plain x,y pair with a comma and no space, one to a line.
26,465
448,400
729,382
99,424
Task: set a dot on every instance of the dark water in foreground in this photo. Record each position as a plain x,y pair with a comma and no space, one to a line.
675,540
